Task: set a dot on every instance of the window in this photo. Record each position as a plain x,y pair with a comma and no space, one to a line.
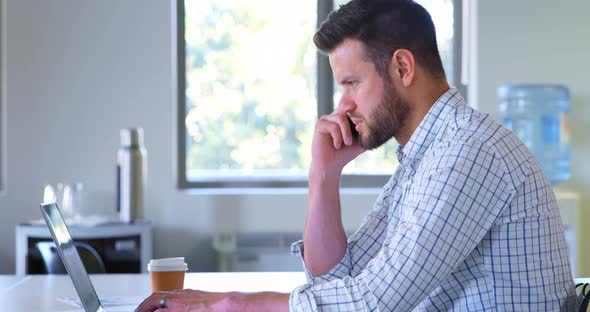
251,85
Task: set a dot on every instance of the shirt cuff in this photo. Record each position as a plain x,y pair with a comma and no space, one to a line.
302,300
340,270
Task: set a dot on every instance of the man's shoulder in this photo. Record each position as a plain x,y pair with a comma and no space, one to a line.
472,136
471,128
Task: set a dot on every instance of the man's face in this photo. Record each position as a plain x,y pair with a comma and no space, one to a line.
372,102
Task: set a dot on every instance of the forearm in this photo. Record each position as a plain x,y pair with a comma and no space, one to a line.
261,301
324,240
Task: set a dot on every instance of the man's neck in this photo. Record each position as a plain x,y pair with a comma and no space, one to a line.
420,103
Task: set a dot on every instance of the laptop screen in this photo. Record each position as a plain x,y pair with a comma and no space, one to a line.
70,257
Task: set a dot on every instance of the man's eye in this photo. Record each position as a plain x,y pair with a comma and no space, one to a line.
351,83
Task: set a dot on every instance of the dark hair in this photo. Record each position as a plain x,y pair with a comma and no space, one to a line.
383,26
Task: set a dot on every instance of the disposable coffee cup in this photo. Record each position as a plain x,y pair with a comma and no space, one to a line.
167,274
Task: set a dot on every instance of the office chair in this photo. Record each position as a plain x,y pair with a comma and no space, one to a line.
53,264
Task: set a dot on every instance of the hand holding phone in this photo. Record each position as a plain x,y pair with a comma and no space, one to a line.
355,134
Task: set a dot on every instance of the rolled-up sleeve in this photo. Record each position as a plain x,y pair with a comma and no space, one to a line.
340,270
346,294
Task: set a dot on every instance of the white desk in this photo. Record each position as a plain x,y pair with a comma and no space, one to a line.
40,292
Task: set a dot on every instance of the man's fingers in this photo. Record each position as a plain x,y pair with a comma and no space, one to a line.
328,126
150,304
345,128
341,125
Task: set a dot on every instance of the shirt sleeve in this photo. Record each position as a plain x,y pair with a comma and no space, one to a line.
449,206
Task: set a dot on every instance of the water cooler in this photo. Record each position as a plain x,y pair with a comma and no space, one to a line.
539,115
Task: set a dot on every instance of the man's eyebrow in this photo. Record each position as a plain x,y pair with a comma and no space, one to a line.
345,79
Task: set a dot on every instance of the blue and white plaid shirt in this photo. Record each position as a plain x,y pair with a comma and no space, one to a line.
468,222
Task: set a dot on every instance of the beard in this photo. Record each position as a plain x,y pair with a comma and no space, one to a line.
387,118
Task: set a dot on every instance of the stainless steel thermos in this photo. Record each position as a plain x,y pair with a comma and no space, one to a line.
131,175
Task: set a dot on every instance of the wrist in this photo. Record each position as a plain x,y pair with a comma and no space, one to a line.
235,301
322,176
261,301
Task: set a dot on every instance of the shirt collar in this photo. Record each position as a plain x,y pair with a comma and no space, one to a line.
429,127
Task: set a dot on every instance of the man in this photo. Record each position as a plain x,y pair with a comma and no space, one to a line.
468,222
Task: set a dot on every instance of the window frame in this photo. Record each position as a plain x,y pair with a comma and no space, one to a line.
3,105
325,93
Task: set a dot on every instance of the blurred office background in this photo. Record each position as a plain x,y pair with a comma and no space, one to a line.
75,72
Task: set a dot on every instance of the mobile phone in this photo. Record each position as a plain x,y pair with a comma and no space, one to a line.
355,134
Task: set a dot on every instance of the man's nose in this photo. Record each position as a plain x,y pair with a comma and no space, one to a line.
346,104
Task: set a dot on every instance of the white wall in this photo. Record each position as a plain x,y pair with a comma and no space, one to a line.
542,41
79,70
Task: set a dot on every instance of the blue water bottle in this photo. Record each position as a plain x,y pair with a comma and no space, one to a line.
539,115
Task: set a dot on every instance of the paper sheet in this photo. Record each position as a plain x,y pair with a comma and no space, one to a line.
114,304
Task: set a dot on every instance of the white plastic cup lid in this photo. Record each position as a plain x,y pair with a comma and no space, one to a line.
167,264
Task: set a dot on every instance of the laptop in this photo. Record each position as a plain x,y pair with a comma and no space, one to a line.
71,259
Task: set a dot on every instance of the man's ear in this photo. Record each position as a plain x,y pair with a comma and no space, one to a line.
403,66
